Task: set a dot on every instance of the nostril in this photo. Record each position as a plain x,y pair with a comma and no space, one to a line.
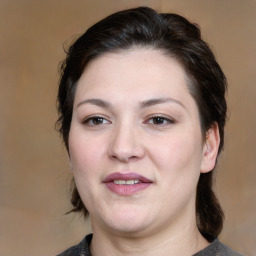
124,157
133,157
125,146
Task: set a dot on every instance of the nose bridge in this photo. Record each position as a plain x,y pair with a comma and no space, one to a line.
126,143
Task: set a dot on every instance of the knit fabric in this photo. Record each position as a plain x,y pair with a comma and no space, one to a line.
216,248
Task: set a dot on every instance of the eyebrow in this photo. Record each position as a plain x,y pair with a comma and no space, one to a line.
143,104
156,101
97,102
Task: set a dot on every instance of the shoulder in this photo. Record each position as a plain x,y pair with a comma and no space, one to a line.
81,249
226,251
72,251
216,248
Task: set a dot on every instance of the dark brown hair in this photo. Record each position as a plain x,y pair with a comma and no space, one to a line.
176,37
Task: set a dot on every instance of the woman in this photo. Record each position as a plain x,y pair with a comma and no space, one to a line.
142,111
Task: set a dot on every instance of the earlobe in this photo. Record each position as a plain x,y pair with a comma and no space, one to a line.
210,149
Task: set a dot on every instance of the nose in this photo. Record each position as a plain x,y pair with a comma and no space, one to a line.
126,144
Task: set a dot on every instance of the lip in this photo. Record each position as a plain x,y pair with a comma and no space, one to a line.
126,176
125,189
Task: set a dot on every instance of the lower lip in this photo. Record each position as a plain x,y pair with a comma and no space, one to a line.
126,190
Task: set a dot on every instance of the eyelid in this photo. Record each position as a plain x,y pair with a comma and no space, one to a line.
169,119
87,119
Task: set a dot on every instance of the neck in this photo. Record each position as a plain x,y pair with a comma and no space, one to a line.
185,241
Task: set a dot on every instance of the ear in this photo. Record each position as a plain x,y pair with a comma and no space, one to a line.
210,149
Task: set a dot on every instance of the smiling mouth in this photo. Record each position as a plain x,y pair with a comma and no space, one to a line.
129,178
126,182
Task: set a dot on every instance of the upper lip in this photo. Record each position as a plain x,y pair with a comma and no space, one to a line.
126,176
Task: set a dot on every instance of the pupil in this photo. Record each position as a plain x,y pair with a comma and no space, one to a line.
158,120
97,120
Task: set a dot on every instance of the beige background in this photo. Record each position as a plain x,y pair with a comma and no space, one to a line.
34,172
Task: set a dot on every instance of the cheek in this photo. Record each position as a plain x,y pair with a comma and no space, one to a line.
181,153
86,152
178,163
86,155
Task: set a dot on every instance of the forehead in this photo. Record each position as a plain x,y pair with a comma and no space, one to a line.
138,69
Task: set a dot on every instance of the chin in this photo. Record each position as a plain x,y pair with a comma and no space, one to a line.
132,230
128,222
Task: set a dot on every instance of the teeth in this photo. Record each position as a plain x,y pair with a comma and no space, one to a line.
126,182
119,182
132,182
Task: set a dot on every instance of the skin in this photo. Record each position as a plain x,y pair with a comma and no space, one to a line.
143,121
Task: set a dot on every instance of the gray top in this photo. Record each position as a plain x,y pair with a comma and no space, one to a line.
216,248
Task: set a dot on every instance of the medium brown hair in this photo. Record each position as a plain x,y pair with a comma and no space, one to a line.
176,37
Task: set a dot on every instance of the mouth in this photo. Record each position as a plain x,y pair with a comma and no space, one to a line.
126,184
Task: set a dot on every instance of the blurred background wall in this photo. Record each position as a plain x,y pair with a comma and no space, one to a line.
34,171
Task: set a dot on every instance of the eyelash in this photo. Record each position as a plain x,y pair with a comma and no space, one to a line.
164,120
99,120
90,121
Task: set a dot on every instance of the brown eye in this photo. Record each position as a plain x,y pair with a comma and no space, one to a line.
95,121
159,121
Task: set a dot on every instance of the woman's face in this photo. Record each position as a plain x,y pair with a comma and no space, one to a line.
135,143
